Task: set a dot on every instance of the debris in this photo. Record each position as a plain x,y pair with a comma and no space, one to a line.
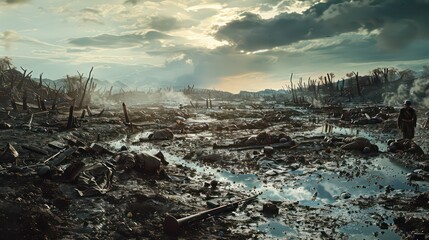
147,163
270,209
9,154
95,180
4,125
162,134
98,149
172,225
59,157
161,157
72,171
56,144
268,150
44,171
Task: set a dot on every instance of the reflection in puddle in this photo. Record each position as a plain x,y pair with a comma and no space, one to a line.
276,229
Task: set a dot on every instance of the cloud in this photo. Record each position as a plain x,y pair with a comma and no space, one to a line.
134,2
118,41
399,22
163,23
9,37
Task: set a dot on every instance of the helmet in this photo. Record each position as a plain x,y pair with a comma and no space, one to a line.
407,102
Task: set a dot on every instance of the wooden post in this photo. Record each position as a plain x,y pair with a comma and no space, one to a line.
124,107
71,117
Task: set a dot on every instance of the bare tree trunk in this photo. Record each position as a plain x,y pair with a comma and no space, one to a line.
40,80
357,83
86,85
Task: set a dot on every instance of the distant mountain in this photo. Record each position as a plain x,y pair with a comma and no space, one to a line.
266,92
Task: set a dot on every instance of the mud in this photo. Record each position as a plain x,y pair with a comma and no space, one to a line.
312,188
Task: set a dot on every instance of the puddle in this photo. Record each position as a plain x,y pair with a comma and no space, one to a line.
277,230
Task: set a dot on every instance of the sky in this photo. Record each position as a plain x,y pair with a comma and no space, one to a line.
227,45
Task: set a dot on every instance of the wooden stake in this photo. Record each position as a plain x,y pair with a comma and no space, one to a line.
127,119
70,119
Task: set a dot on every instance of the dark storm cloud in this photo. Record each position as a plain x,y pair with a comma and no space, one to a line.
163,23
117,41
400,22
15,1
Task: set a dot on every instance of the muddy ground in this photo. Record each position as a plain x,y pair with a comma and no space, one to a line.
289,157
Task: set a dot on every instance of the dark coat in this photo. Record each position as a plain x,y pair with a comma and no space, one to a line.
407,121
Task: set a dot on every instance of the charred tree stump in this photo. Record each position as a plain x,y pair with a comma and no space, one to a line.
40,80
55,99
357,83
71,117
13,103
124,107
24,101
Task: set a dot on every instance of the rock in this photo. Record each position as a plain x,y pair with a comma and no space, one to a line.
270,209
180,118
213,183
147,163
384,226
160,155
162,134
366,150
345,195
9,154
44,171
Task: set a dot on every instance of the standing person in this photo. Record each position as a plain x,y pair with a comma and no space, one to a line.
407,120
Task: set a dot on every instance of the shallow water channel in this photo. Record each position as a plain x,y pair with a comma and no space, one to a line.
333,190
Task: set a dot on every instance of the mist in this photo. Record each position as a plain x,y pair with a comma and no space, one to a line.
417,92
